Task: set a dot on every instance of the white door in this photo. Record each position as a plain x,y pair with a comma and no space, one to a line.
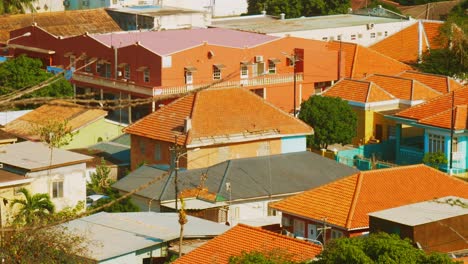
312,231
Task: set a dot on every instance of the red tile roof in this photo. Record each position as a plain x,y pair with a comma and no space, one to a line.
361,61
219,112
76,116
346,202
437,112
404,45
403,88
358,91
441,83
245,238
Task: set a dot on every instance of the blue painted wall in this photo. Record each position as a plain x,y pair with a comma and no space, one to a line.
293,144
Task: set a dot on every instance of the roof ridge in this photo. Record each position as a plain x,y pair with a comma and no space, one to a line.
188,136
357,191
354,60
426,86
383,90
368,91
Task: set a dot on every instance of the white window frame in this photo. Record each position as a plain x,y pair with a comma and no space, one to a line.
244,71
188,77
372,35
271,67
353,37
436,143
216,73
146,76
57,189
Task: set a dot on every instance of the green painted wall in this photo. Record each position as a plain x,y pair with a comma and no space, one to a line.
89,135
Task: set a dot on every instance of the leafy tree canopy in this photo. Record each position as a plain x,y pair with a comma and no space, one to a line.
377,248
332,118
274,256
435,159
297,8
23,72
15,6
33,208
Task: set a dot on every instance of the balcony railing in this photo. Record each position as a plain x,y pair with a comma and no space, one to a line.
410,155
168,90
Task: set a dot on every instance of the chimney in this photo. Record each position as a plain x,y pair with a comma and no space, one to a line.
282,16
187,124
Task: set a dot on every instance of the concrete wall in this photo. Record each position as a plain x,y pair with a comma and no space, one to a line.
250,210
367,120
74,184
361,32
8,192
138,256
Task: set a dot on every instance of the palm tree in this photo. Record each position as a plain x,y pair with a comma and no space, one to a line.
16,6
34,208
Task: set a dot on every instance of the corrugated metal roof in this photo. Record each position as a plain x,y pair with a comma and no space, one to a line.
115,234
171,41
424,212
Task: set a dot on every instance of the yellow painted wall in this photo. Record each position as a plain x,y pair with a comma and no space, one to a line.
90,134
366,122
212,155
8,193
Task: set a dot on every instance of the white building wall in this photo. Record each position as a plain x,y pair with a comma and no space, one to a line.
74,184
249,210
135,257
218,8
42,6
362,33
182,21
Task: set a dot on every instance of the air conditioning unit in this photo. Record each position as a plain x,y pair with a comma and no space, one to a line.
370,26
258,58
119,73
66,3
86,3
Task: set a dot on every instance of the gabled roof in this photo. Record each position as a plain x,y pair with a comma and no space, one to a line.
361,61
66,23
76,116
347,202
250,178
402,88
219,116
171,41
358,91
246,238
11,179
117,234
441,83
437,112
404,45
35,156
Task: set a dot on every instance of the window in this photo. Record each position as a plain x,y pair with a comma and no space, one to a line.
88,65
157,151
353,37
336,234
271,67
312,231
391,132
299,227
146,75
455,144
188,77
127,72
359,35
338,37
324,38
216,73
271,211
285,222
379,34
57,189
372,35
142,147
436,143
244,71
98,67
386,33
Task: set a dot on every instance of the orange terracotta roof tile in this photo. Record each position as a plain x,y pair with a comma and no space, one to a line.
216,113
361,61
404,45
444,119
358,91
245,238
441,83
76,116
403,88
432,110
346,202
65,23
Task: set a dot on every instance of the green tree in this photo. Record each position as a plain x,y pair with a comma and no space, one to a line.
297,8
435,159
16,6
33,208
99,180
274,256
23,72
333,120
125,205
377,248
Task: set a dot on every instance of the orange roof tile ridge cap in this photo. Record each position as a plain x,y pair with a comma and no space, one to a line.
425,103
354,60
427,86
412,90
356,193
448,84
369,85
383,90
188,136
436,114
275,107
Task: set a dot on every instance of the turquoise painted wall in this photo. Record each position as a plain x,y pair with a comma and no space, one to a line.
460,157
293,144
89,135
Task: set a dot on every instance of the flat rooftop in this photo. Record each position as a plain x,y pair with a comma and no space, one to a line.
153,10
425,212
268,24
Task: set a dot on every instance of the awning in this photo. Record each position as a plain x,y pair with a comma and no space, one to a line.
246,63
219,66
37,50
274,60
190,69
102,61
123,64
142,68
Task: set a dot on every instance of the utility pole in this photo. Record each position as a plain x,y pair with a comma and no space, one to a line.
452,124
324,231
295,71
